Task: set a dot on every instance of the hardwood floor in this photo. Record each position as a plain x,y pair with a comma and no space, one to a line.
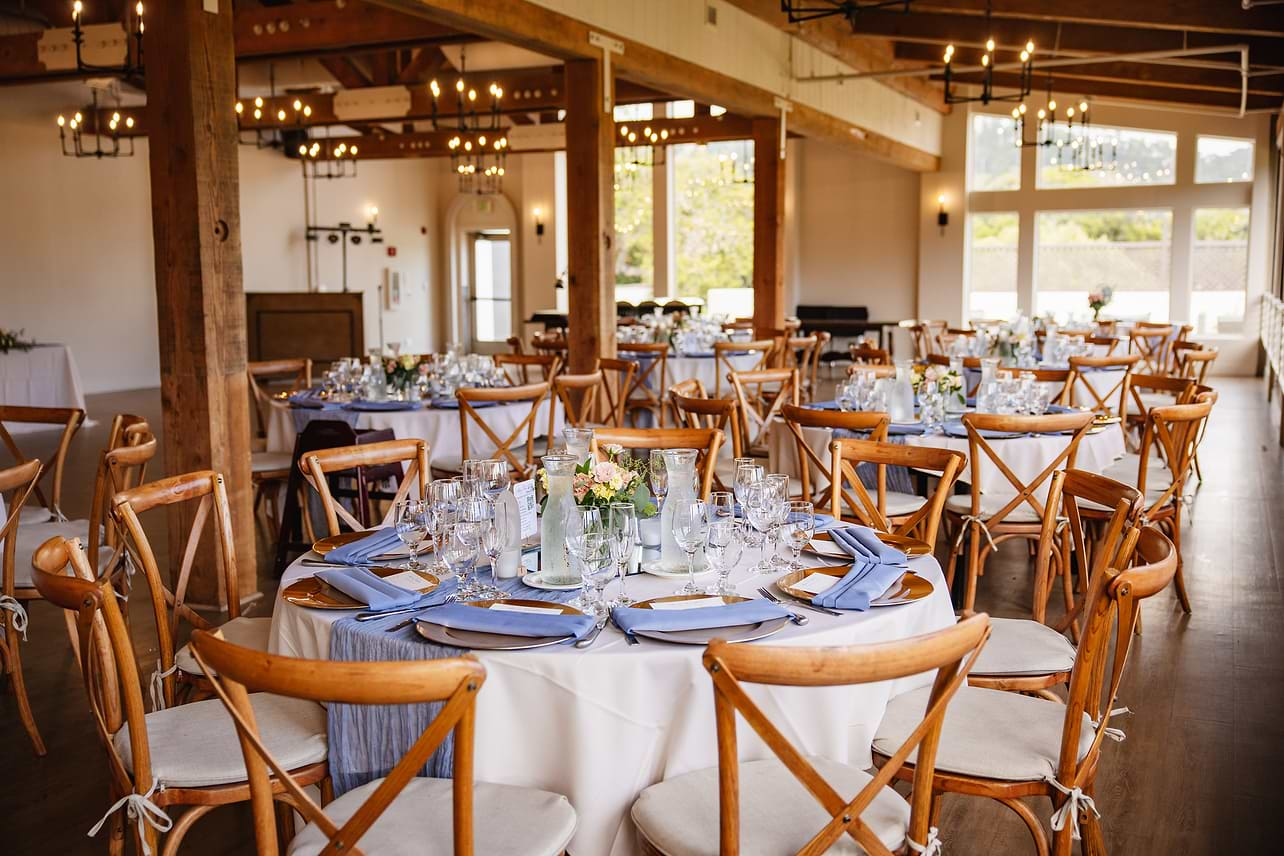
1196,775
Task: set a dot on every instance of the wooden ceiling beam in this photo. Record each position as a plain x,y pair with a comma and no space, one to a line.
1222,16
834,37
1144,92
345,71
425,62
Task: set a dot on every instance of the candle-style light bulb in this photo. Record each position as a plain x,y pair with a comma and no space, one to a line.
353,151
1029,47
298,105
1052,105
76,9
472,95
240,108
129,121
459,85
280,115
62,120
985,59
989,45
79,118
258,101
434,88
1083,106
303,150
307,110
139,9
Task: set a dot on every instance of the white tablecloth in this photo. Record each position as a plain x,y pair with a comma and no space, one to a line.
439,426
45,376
600,725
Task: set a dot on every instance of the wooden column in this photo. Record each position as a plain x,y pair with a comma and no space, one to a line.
200,302
768,227
590,204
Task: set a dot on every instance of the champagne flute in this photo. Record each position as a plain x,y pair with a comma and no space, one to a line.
411,530
659,474
758,510
778,487
690,526
476,513
622,524
724,546
800,525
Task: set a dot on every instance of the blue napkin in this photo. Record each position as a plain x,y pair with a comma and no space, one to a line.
460,616
379,406
864,582
1061,408
630,619
823,405
453,403
863,544
905,428
379,594
957,429
359,552
310,399
699,354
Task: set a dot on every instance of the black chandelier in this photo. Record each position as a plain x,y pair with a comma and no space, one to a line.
328,159
288,129
1072,142
479,146
74,128
987,72
132,66
636,151
801,11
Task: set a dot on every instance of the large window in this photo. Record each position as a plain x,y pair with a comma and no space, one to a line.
713,222
992,265
1219,270
635,256
1077,252
1221,159
1126,158
995,162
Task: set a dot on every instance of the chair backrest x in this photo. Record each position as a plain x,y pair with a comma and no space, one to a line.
617,380
286,375
318,465
650,380
578,395
519,367
706,442
762,393
536,394
811,450
69,419
762,350
722,414
849,498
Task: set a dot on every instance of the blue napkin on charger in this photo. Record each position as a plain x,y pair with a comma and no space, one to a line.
863,544
379,594
905,428
310,399
876,568
823,405
359,552
630,619
460,616
382,406
958,429
453,403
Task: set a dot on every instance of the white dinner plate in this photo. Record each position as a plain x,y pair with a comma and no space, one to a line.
703,636
655,570
536,580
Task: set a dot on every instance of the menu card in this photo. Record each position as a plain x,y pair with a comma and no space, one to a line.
524,492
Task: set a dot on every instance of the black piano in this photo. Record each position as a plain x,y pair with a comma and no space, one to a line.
844,322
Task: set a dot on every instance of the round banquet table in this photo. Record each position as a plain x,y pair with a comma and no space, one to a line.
438,425
601,724
704,368
1026,456
44,376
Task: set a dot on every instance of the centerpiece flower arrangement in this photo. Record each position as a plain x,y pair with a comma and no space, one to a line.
935,385
405,370
1099,300
11,340
619,478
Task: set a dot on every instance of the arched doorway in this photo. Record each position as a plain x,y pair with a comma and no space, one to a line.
485,288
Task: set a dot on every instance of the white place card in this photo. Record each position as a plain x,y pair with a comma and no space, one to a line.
694,603
816,583
517,607
524,493
408,580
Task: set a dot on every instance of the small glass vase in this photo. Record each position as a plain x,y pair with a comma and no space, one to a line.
931,408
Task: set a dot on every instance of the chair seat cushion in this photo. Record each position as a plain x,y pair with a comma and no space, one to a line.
1157,399
246,632
961,503
1020,646
195,745
32,535
901,504
679,816
270,462
988,733
506,820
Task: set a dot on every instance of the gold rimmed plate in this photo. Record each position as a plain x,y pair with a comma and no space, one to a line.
483,641
823,544
334,542
909,588
703,636
315,593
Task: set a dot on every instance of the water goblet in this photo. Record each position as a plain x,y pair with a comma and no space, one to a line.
622,526
459,552
799,527
724,545
412,528
722,506
584,530
690,526
778,485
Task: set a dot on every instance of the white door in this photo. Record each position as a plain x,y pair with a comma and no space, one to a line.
490,297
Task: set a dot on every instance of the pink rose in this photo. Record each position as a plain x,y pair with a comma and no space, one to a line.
604,472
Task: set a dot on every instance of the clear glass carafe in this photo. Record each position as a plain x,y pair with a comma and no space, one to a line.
900,404
555,568
681,464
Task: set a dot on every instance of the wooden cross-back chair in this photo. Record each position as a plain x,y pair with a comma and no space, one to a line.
721,414
518,367
813,474
69,419
202,498
706,442
737,324
863,355
18,482
793,803
1107,342
723,352
650,379
799,352
402,809
997,518
522,460
1146,391
1194,361
1058,378
269,376
1006,746
1028,654
895,514
515,345
1151,345
617,380
762,393
551,344
1079,385
319,465
578,394
183,756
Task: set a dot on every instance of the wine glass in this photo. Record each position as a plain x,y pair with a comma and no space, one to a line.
800,525
659,476
690,526
622,527
722,506
476,512
493,477
778,487
724,545
597,569
411,529
584,531
459,552
443,498
757,506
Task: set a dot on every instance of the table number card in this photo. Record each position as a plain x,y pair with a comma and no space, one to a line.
524,491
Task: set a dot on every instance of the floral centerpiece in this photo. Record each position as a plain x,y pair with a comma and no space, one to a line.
405,370
1099,300
935,385
619,478
11,340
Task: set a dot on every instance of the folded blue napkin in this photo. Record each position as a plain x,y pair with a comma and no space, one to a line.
1061,408
863,544
905,428
311,399
359,552
460,616
379,594
698,354
378,406
957,429
630,619
864,582
453,403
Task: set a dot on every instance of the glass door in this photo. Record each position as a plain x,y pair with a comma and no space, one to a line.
490,295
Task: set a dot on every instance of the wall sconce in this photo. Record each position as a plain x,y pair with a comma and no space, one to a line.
373,214
942,216
539,221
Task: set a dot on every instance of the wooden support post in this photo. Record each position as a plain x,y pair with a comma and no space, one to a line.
200,302
590,163
768,227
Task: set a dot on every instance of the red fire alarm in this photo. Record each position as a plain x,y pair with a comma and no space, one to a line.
392,251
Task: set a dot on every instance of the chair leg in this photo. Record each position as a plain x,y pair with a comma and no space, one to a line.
20,692
1032,823
1178,578
973,568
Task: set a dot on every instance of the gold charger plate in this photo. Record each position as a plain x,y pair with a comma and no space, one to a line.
705,635
482,641
911,547
334,542
315,593
909,588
